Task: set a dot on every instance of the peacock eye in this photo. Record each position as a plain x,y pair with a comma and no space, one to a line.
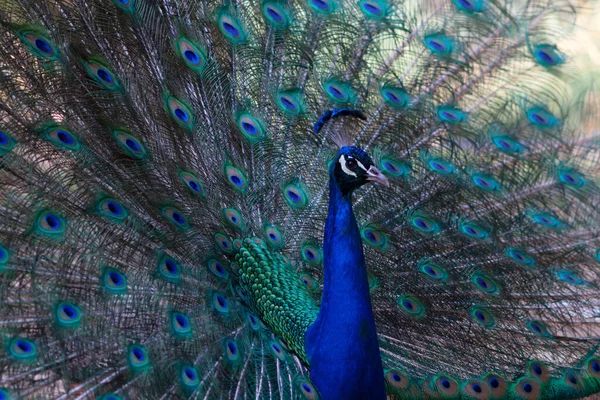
351,163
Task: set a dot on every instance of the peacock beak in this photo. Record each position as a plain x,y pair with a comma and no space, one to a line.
374,175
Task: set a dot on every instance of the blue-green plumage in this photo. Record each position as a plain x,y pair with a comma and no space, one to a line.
182,217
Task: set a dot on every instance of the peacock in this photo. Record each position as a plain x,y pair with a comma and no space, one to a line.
297,199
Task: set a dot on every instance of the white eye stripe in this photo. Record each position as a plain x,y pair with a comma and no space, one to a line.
342,162
361,165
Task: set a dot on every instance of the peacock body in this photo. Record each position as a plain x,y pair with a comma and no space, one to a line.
190,206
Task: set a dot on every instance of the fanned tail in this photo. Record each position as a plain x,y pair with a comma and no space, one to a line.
141,141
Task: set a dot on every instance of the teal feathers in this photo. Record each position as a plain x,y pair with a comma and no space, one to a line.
163,195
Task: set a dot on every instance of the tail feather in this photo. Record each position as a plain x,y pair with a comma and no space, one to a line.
142,140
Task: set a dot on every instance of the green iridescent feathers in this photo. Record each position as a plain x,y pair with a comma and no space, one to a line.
142,142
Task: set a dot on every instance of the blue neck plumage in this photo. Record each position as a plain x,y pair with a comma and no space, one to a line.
342,343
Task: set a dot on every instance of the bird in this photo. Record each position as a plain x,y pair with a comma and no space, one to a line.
297,199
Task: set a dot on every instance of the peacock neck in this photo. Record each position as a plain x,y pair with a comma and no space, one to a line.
342,344
345,275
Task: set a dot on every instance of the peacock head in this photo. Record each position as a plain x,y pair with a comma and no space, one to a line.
353,168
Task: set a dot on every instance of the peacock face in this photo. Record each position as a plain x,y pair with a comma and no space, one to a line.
353,168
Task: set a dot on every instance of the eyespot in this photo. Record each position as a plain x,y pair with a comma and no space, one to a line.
277,350
485,283
544,219
112,209
50,224
114,281
220,303
274,236
528,388
306,388
395,169
125,5
236,178
451,115
137,357
485,182
233,218
374,237
22,349
180,112
477,389
290,103
276,15
538,370
169,269
494,382
542,118
507,144
574,380
520,256
411,306
61,137
224,243
547,55
308,281
189,377
446,385
593,367
39,45
433,271
180,324
339,92
295,196
253,322
397,98
232,351
570,277
322,6
251,127
424,224
497,385
101,74
130,145
67,315
482,317
218,269
176,217
191,55
439,44
193,183
440,166
571,178
312,254
232,29
473,230
374,9
539,328
470,6
396,379
6,143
